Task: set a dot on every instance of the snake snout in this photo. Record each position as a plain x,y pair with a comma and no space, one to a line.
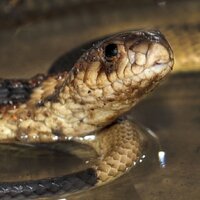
159,52
150,53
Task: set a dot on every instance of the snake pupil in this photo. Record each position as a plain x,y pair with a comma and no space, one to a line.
111,50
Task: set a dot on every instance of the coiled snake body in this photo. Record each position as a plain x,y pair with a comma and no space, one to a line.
105,82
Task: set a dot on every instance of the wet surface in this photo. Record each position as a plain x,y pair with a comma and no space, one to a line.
174,114
172,111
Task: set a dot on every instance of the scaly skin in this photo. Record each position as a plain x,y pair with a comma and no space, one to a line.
98,89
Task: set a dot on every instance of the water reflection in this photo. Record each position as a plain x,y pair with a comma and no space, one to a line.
44,153
161,153
162,159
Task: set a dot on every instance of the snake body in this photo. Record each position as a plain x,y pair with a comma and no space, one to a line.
104,83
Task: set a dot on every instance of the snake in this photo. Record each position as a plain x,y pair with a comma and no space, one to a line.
105,82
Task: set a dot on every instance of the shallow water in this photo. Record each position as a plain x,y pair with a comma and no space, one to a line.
172,111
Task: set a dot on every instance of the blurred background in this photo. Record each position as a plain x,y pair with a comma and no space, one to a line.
34,34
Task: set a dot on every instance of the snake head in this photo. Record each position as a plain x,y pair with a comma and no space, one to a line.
122,68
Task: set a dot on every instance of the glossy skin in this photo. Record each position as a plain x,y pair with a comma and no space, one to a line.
105,82
95,92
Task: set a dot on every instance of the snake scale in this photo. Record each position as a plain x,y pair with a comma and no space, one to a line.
105,82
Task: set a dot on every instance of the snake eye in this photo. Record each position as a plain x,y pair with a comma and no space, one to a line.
111,51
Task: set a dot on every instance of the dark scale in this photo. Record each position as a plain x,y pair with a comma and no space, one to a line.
18,91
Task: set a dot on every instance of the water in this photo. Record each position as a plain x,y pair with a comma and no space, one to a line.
172,111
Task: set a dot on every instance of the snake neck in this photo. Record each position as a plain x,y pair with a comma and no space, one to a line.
65,105
57,110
